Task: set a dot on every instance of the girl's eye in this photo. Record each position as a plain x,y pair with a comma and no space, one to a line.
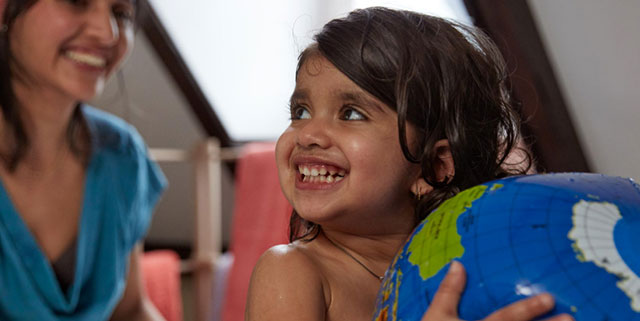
352,114
299,112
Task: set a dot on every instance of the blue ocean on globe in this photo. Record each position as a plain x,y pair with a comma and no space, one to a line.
574,235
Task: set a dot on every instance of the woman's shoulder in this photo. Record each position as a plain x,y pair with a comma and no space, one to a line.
287,281
111,132
134,181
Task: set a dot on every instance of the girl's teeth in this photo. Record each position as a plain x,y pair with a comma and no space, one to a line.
319,175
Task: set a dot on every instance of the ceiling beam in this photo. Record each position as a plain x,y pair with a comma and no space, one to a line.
554,140
182,76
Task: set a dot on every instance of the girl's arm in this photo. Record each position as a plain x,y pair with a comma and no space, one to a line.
444,306
134,304
285,285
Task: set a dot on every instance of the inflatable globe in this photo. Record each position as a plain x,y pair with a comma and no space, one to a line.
576,236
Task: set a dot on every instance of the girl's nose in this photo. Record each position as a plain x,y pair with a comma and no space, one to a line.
315,133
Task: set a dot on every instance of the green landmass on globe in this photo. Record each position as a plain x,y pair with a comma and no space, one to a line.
429,251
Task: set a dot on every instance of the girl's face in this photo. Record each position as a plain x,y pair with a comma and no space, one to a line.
340,160
70,47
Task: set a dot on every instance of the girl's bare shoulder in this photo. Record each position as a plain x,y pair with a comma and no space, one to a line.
287,281
297,258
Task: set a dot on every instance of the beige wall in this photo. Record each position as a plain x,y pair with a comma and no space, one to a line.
156,107
594,47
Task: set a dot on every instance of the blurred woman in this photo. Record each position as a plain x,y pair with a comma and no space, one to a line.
77,187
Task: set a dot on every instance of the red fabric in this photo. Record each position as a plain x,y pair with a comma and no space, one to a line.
260,220
161,278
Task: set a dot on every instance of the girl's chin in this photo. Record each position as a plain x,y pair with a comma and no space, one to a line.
312,212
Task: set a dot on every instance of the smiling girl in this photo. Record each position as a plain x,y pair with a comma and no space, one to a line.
77,187
393,112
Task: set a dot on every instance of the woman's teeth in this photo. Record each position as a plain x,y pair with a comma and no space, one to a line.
319,175
86,58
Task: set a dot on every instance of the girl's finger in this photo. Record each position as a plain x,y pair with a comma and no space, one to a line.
446,299
524,310
561,317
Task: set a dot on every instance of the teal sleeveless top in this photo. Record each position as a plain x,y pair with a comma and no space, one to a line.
122,186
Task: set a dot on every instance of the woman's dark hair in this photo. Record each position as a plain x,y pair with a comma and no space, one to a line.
10,109
447,80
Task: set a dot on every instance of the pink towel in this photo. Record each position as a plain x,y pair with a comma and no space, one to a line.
260,220
161,278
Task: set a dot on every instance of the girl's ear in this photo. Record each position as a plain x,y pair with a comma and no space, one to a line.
420,187
443,166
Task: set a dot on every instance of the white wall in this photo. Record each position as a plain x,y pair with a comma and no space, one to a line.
594,47
243,53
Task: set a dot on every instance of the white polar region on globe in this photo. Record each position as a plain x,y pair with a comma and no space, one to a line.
593,224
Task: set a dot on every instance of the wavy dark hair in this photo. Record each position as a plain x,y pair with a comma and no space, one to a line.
446,79
9,104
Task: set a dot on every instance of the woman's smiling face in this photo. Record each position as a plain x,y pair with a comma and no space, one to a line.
70,47
340,160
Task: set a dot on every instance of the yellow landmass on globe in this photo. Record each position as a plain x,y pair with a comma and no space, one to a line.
384,314
438,242
397,294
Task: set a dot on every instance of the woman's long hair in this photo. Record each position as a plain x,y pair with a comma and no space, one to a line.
18,140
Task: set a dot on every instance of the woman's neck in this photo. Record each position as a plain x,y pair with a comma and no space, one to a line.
45,118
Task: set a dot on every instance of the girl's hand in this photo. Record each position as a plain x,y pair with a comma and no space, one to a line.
444,306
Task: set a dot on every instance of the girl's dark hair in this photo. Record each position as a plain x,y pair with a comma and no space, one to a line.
446,79
11,156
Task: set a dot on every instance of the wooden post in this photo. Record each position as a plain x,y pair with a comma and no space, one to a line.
208,224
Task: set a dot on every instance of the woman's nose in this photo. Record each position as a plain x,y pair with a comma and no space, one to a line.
101,23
